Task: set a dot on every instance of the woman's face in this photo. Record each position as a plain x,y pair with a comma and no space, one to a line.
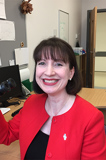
52,75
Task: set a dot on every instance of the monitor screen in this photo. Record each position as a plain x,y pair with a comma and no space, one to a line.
10,72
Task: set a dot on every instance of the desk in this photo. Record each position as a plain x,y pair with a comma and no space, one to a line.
95,96
10,152
12,109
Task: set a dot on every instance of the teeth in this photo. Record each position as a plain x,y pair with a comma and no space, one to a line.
50,81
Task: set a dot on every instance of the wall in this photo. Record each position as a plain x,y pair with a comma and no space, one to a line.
88,5
100,61
100,80
44,20
7,47
101,32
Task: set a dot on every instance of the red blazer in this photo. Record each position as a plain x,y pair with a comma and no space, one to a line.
75,135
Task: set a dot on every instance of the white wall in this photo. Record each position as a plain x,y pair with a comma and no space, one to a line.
88,5
44,20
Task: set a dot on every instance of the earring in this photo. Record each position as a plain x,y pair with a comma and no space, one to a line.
69,79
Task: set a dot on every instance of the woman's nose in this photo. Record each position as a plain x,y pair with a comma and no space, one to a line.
49,70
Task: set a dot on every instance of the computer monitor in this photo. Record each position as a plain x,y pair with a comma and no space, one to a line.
5,74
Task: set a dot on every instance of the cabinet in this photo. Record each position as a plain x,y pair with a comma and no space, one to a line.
81,61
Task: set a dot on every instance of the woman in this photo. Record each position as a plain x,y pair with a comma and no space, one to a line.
56,123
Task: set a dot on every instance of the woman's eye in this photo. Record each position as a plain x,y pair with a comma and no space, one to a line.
58,64
41,63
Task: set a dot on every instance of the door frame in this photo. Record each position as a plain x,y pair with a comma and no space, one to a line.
87,45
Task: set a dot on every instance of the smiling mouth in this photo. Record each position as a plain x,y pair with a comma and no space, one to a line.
50,81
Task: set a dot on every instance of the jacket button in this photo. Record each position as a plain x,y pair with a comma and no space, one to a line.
49,155
54,120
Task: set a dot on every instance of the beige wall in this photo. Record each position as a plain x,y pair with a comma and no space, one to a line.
100,80
101,32
100,62
44,20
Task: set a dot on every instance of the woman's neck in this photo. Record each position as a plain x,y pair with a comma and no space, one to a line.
57,105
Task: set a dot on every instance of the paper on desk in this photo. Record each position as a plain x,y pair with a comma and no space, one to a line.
4,110
21,56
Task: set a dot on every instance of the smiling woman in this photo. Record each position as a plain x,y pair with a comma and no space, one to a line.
49,121
53,76
61,54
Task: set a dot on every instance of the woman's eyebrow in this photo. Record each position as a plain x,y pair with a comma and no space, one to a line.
42,59
60,60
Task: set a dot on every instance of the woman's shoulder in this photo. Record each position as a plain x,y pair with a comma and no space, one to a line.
86,107
86,112
35,104
36,100
36,97
83,103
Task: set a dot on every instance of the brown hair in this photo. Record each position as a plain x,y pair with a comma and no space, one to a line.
58,48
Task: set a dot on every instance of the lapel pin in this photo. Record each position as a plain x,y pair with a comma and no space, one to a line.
64,137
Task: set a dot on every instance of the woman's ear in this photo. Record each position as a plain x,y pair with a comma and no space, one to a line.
72,71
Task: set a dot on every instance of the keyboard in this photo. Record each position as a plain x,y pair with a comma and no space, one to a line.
16,112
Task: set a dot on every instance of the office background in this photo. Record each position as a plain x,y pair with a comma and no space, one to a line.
43,22
13,14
